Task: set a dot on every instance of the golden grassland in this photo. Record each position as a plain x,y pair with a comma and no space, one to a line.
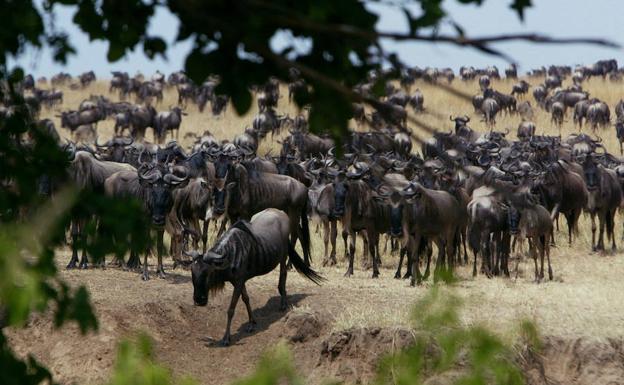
585,299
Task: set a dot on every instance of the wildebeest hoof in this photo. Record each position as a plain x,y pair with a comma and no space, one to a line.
145,277
407,275
224,342
250,327
71,265
375,274
83,266
397,275
162,275
348,274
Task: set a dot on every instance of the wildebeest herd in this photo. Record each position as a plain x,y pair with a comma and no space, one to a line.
459,193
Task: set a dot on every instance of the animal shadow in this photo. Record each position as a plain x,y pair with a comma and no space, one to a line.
265,316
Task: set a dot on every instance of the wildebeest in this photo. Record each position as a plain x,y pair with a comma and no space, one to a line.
489,109
520,88
598,115
619,133
532,221
73,119
141,117
428,214
153,188
168,121
247,191
247,250
86,78
88,174
557,112
562,191
605,196
417,101
484,82
526,130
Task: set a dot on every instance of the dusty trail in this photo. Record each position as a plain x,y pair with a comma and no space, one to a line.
580,312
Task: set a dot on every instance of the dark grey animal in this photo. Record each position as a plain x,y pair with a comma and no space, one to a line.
153,188
490,109
605,196
247,191
247,250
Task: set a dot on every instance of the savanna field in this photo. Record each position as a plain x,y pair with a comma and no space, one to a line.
337,330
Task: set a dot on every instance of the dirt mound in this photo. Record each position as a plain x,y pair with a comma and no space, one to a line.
575,362
352,355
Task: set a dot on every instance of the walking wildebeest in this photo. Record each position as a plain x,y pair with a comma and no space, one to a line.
247,250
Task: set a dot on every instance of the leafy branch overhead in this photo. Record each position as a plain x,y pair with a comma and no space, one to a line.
232,39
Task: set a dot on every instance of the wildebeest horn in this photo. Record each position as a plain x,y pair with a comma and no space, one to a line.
451,118
150,176
506,130
331,151
128,141
213,258
466,118
174,179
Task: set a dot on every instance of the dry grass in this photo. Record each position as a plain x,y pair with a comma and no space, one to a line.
586,298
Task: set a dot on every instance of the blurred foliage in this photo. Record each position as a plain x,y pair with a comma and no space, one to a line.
36,206
135,365
232,39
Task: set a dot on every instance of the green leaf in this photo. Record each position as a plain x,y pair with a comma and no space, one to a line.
519,6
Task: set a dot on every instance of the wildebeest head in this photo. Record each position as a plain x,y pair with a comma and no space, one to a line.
341,189
231,189
159,196
592,173
396,203
237,242
115,148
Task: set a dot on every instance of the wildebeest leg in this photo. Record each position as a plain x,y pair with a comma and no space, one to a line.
506,240
252,321
533,252
145,275
326,260
365,242
333,235
159,251
570,220
416,277
351,253
225,341
75,234
611,228
541,241
373,246
84,261
205,235
281,286
601,227
397,275
464,235
593,230
429,250
345,235
550,271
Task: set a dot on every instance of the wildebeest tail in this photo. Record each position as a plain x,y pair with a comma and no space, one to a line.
305,234
301,267
610,224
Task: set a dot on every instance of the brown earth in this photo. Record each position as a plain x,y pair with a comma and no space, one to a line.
338,330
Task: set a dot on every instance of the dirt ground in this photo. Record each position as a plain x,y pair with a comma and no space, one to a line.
338,330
